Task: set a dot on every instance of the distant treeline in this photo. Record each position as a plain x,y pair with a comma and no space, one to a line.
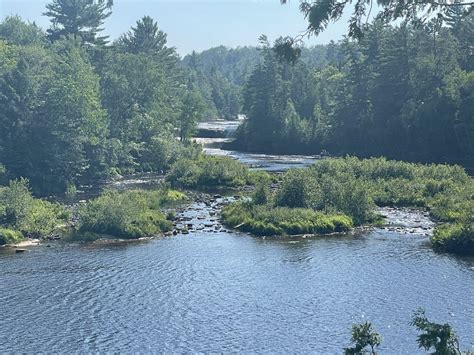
405,92
220,74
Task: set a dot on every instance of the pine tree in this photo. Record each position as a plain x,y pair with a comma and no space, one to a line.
78,18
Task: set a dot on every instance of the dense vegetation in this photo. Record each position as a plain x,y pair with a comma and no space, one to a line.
208,171
335,194
266,220
405,92
22,215
131,214
75,108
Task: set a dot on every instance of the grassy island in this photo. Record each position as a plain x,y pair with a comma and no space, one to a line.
337,194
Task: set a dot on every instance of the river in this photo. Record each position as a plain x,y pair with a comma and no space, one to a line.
221,291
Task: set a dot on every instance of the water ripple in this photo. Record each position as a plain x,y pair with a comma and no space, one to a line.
225,292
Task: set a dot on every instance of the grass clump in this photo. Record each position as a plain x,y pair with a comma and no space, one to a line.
130,214
8,236
22,213
208,171
269,220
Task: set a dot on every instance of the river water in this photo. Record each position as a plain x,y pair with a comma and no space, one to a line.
220,291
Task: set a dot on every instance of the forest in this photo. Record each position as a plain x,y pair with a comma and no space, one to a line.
404,92
77,107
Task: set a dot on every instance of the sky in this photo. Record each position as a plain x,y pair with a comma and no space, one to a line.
197,24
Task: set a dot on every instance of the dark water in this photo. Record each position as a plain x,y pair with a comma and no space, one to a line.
224,292
227,292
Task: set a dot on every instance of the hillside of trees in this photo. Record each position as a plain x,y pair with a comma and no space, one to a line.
76,107
404,92
220,74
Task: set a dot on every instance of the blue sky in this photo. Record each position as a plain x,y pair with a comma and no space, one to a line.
197,24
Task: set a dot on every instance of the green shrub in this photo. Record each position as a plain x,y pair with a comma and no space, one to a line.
130,214
338,193
20,211
163,151
8,236
260,195
207,171
454,237
295,190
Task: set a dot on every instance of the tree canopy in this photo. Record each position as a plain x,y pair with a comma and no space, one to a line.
78,18
319,13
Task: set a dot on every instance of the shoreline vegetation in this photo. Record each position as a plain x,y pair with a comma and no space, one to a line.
333,196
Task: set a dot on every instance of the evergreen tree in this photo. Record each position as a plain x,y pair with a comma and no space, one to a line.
78,18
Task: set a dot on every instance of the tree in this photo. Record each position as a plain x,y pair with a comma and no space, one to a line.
79,19
20,91
147,38
70,126
191,113
14,30
363,336
441,337
319,13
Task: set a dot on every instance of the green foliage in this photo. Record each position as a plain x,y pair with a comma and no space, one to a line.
8,236
207,171
72,124
21,212
363,336
440,337
14,30
337,191
261,195
131,214
456,237
147,38
78,18
353,187
319,14
268,220
73,111
295,190
375,97
219,74
191,114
